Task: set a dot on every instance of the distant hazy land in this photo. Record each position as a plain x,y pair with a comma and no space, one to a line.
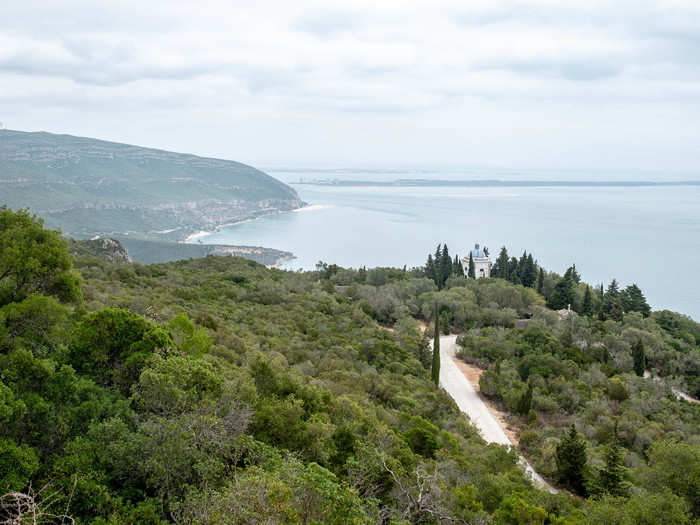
90,187
494,183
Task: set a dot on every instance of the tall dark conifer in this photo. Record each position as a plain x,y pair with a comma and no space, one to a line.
457,267
445,265
587,305
435,369
513,271
502,264
471,272
612,477
540,282
571,461
640,360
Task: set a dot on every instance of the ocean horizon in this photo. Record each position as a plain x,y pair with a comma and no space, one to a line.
648,235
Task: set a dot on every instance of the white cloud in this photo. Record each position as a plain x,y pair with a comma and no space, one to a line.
518,83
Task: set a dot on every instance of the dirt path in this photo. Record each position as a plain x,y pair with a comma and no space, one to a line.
455,382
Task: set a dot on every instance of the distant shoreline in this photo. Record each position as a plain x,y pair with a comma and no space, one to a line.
493,183
204,233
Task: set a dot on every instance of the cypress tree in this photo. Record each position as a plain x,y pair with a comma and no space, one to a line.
445,265
540,282
471,272
430,268
571,461
502,264
457,268
522,267
525,402
435,370
587,306
529,274
639,358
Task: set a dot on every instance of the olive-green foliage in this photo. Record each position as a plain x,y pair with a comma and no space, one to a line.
33,259
113,345
217,390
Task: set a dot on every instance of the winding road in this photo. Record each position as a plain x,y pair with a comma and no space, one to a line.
456,384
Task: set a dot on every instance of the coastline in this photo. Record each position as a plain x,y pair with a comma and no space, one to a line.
204,233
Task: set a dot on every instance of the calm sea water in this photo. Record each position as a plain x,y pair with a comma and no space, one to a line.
644,235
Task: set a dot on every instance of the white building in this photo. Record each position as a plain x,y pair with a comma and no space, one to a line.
482,262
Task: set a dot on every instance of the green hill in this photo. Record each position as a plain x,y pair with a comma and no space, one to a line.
92,187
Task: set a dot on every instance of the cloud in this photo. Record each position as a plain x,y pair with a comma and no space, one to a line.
426,74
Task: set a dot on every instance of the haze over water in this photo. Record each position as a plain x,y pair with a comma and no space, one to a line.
646,235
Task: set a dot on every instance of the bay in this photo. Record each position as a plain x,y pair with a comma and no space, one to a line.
644,235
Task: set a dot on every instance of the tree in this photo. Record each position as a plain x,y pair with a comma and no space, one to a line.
445,266
471,273
457,267
639,358
611,479
430,268
513,271
529,272
501,266
435,370
633,300
525,402
611,307
564,293
33,260
113,345
540,281
587,305
571,461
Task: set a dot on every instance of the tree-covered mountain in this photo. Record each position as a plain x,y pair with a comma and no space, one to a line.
92,187
216,390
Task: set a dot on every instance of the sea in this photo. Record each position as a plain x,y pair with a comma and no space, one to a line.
648,235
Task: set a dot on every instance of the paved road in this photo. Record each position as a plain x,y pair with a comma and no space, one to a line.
453,381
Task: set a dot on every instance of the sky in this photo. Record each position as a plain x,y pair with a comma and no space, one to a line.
587,85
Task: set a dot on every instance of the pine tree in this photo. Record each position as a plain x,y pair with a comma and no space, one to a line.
540,282
471,273
633,300
563,294
529,272
430,268
587,306
612,307
571,461
435,369
522,266
502,264
639,358
513,271
574,274
611,479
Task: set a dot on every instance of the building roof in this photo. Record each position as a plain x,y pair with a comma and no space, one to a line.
478,252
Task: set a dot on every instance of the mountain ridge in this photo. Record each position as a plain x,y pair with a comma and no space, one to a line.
91,187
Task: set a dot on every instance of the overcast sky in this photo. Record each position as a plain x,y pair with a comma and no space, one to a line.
605,85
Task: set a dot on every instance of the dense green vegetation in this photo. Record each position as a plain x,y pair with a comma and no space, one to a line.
218,391
91,187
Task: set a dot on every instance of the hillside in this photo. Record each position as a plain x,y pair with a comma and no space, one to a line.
92,187
216,390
